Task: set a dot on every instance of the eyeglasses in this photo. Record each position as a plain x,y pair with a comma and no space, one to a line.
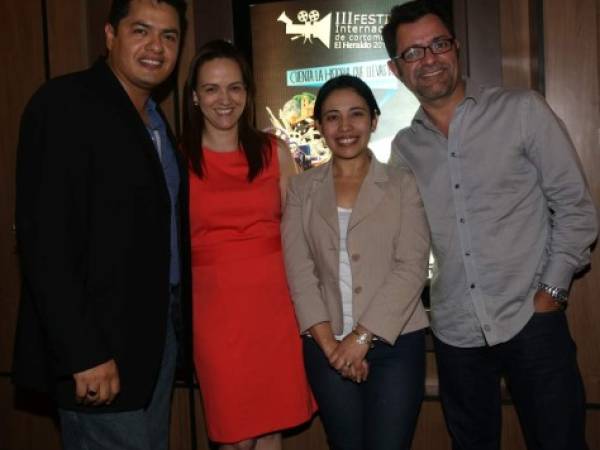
437,47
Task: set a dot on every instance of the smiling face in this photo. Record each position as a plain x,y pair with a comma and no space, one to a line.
435,77
220,94
142,51
346,123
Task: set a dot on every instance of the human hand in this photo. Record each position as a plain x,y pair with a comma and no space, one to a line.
544,302
349,359
98,385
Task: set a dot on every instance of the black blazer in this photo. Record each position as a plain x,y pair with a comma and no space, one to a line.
93,217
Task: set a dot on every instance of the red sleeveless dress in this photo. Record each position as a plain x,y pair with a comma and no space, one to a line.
247,350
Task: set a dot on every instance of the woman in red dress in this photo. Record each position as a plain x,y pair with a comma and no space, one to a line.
247,350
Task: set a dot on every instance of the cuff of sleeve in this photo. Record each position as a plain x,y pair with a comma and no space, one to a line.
389,332
309,317
558,274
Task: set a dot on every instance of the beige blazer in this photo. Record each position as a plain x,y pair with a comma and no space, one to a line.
388,247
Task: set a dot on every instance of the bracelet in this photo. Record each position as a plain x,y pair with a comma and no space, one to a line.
362,338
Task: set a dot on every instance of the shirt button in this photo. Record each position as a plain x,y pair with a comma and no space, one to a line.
472,285
355,257
462,220
487,328
456,186
453,154
358,289
468,254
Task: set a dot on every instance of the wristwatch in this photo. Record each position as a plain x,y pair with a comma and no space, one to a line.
559,295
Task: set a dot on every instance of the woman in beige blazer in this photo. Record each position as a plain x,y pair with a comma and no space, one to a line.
356,246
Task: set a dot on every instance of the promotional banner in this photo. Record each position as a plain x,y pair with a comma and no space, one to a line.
299,45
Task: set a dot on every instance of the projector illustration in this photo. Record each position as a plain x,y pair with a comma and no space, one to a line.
309,27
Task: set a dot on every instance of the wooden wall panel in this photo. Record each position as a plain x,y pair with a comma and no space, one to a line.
97,13
571,50
214,20
477,28
181,422
21,49
189,49
67,36
431,430
31,428
483,20
516,43
593,429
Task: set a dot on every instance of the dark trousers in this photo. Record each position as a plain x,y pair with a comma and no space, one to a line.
540,368
379,414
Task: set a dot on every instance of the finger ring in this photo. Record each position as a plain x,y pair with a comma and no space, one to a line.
91,393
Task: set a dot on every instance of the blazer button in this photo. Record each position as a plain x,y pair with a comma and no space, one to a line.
358,289
355,257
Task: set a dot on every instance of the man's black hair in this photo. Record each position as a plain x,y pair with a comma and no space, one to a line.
411,12
119,9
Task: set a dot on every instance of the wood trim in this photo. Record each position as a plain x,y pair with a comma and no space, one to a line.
516,43
67,36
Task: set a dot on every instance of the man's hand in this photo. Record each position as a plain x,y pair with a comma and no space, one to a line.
543,302
98,385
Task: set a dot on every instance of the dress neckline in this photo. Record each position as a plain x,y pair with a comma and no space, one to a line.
227,152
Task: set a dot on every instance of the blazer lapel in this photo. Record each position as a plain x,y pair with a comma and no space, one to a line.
371,193
106,81
325,199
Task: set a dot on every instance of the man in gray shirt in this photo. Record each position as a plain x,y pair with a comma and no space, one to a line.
511,222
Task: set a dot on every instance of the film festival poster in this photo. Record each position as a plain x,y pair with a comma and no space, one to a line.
298,45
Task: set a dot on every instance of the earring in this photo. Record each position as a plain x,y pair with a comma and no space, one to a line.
195,99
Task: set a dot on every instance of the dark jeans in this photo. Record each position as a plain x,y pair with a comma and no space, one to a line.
142,429
540,367
379,414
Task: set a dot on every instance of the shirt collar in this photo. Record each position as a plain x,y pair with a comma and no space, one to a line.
154,119
472,90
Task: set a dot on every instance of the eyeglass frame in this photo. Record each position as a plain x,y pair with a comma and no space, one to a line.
451,40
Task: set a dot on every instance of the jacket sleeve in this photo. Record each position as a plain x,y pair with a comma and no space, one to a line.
305,286
53,219
399,296
574,217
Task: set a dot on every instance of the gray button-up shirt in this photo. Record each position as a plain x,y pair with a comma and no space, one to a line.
508,207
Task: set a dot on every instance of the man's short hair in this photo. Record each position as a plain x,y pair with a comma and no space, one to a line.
411,12
119,9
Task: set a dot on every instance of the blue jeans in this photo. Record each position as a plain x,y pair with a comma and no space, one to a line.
540,367
142,429
379,414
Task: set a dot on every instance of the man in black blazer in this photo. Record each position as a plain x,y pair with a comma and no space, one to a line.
101,216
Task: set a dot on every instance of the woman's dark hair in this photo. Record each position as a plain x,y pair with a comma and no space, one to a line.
410,12
346,82
254,143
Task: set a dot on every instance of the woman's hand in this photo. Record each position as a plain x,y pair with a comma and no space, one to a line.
348,358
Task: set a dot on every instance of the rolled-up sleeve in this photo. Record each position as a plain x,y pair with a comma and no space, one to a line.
574,217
